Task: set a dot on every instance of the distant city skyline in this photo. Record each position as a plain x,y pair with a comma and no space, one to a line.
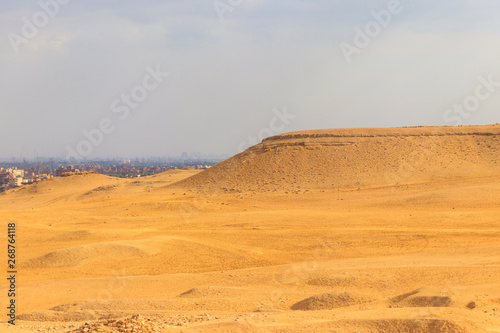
100,79
179,157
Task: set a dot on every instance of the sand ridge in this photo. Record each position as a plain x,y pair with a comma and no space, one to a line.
355,158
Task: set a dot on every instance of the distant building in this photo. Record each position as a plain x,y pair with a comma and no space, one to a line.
13,182
13,177
4,178
16,173
10,178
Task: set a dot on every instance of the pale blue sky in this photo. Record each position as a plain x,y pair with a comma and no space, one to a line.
227,76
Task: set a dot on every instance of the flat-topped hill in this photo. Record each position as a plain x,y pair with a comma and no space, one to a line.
355,158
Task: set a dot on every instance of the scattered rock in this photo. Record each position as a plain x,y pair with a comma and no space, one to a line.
471,305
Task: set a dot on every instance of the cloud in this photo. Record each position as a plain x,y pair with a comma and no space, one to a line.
227,76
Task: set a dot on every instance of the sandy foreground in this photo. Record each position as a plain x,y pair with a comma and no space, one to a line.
366,237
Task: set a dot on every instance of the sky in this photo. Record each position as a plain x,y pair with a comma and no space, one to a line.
122,78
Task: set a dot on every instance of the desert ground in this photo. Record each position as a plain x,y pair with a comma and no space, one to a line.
353,230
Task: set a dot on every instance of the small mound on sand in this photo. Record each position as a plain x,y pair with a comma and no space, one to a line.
331,281
76,182
195,292
424,297
414,326
430,301
226,327
330,301
162,179
74,256
72,235
58,316
104,188
205,292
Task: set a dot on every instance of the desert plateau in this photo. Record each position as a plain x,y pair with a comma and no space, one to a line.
336,230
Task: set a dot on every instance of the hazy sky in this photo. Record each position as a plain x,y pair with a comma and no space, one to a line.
233,66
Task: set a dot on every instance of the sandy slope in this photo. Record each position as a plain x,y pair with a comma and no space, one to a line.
420,254
356,158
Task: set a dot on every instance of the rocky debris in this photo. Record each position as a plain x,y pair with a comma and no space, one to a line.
77,173
183,320
138,324
135,324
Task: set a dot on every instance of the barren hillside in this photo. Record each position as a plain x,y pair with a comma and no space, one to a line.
357,158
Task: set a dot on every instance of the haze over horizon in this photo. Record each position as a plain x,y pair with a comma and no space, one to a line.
235,70
364,199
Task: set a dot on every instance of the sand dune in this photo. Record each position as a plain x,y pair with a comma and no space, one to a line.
330,301
89,186
78,255
350,230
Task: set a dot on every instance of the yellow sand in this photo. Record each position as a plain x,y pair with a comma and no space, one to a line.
359,230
